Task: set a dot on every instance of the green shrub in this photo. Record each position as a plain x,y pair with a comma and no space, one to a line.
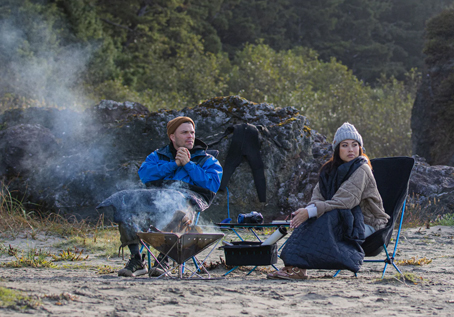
329,94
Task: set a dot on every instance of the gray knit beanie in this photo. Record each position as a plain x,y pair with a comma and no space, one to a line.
347,131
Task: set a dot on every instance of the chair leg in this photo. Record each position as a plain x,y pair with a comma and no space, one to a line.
390,259
149,260
384,271
395,266
337,273
195,264
148,256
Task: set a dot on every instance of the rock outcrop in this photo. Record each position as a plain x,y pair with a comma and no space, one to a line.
431,190
98,152
68,162
432,121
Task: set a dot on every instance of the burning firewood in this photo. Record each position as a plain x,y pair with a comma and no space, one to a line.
153,229
195,229
179,223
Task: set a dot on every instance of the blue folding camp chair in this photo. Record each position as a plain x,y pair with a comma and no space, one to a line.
392,175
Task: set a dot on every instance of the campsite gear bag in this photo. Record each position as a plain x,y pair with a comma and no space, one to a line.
252,217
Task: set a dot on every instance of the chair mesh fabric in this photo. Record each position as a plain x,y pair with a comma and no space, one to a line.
392,175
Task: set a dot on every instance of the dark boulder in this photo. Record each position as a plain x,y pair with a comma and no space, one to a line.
25,149
431,191
81,158
433,111
101,149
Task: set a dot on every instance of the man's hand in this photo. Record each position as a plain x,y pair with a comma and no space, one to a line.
300,216
183,156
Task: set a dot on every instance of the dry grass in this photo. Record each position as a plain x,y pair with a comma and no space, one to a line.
69,255
14,299
15,220
103,241
429,214
414,261
414,215
31,258
444,220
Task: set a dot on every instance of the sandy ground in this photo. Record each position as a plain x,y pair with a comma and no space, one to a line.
84,292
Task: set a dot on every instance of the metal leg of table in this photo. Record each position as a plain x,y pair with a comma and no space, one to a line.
237,234
255,234
251,270
231,270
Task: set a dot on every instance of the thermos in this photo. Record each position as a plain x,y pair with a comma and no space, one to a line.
276,236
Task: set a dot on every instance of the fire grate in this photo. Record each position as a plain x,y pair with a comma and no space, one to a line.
181,247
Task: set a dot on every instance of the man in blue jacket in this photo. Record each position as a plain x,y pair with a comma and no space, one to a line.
183,169
180,160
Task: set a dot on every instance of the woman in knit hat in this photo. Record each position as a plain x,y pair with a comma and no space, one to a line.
346,185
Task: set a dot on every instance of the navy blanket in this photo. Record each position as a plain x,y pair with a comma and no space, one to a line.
135,210
334,240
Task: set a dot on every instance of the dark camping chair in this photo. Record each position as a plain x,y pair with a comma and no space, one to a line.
392,175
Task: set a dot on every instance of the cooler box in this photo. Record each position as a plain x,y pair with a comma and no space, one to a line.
243,253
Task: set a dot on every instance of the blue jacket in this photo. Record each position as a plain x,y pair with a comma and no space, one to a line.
161,165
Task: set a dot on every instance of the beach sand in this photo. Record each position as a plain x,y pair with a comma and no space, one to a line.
428,289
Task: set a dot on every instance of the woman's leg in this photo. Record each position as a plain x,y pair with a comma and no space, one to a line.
368,230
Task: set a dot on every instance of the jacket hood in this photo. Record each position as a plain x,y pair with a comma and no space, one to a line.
199,145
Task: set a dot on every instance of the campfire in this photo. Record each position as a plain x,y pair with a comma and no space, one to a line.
181,241
179,224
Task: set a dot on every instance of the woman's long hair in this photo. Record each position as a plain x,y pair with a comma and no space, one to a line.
335,161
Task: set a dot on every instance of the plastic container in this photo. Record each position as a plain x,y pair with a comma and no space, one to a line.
250,253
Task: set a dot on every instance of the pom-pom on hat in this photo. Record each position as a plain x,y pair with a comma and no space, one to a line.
173,124
347,131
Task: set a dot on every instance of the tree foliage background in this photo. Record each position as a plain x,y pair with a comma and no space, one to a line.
336,60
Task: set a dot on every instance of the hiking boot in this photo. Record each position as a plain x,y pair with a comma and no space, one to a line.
135,267
157,270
